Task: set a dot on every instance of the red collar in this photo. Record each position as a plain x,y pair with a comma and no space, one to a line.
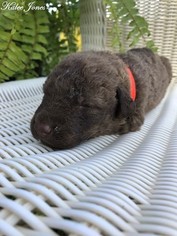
132,84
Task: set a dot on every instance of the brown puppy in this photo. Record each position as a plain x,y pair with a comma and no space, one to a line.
89,94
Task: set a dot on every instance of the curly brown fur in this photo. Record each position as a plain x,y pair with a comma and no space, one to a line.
88,94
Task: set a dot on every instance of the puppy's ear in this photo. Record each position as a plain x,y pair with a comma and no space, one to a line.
125,105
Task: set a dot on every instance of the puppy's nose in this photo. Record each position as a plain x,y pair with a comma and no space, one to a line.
43,129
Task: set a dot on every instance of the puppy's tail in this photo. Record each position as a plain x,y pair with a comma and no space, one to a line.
167,64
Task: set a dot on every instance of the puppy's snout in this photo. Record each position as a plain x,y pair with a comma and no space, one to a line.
43,129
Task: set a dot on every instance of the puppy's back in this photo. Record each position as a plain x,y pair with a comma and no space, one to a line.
148,53
167,64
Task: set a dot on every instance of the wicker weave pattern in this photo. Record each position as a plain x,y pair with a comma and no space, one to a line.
93,29
111,185
161,16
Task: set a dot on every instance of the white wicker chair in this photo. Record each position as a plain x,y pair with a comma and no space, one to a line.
111,185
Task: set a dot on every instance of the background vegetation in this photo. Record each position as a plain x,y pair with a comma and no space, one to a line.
33,42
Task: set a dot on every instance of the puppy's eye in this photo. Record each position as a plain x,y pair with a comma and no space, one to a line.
91,107
85,106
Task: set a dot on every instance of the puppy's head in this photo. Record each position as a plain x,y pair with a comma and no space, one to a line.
84,97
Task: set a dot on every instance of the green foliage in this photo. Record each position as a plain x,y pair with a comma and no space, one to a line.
31,39
22,41
12,58
31,43
66,20
125,12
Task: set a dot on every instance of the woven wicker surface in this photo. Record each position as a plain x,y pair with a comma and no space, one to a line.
93,20
111,185
161,16
162,19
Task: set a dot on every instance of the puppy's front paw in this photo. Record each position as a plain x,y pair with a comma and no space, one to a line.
135,122
124,129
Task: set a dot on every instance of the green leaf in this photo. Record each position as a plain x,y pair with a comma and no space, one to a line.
6,70
10,14
42,39
18,51
28,39
150,44
128,3
17,37
10,65
43,20
15,59
144,31
133,32
5,23
27,48
13,31
39,48
5,36
3,46
37,56
3,77
125,19
135,40
138,20
27,31
43,29
122,12
29,22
